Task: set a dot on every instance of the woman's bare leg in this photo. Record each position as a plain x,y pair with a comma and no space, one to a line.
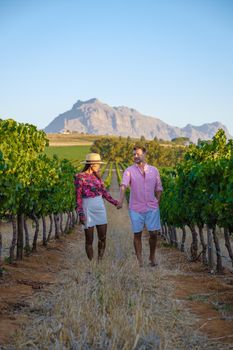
101,231
89,235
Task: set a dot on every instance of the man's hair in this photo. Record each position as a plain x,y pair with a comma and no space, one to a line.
136,147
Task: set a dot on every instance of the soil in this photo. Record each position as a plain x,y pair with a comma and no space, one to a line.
207,296
210,297
22,279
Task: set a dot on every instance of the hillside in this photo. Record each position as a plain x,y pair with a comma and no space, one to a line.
97,118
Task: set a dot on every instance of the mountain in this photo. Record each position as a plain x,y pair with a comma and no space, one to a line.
96,117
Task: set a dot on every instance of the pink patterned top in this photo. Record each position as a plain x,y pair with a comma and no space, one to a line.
89,186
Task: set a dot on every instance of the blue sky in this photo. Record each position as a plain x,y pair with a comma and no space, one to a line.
171,59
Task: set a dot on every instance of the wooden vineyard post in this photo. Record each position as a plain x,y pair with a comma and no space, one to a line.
218,251
228,244
14,239
20,240
44,231
26,233
194,244
204,260
1,272
50,227
183,238
35,218
210,248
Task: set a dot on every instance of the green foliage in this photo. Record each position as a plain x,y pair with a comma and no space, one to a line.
118,172
181,140
108,179
30,182
121,150
103,169
73,153
200,188
123,166
20,146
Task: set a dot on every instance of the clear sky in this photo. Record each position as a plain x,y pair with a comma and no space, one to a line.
172,59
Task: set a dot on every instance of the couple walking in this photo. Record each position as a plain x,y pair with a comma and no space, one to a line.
145,192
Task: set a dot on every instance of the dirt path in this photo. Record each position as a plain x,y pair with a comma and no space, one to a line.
66,302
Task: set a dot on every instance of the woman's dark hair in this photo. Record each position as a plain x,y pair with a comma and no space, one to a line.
86,167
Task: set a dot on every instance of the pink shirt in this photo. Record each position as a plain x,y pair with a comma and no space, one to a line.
142,187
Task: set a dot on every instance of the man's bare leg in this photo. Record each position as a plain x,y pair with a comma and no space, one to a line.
138,246
153,243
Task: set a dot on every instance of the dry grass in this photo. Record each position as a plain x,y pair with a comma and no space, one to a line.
70,143
113,304
74,139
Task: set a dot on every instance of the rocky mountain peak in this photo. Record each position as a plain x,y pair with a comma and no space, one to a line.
79,103
95,117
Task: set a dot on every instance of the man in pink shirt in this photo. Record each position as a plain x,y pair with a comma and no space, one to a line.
145,192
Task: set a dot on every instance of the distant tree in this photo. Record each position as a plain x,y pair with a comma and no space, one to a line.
181,140
121,150
198,141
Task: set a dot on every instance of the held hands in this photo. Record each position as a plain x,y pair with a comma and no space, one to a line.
119,205
121,197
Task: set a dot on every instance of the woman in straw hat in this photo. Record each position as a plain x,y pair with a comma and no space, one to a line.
90,191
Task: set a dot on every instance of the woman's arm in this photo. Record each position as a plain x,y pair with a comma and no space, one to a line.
79,203
107,195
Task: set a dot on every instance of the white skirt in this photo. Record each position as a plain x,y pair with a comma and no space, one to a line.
95,212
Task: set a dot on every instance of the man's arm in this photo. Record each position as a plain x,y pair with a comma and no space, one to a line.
122,196
158,196
158,186
124,184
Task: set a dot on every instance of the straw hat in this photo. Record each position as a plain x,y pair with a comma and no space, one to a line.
92,158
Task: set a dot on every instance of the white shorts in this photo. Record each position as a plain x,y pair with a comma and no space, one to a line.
95,212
